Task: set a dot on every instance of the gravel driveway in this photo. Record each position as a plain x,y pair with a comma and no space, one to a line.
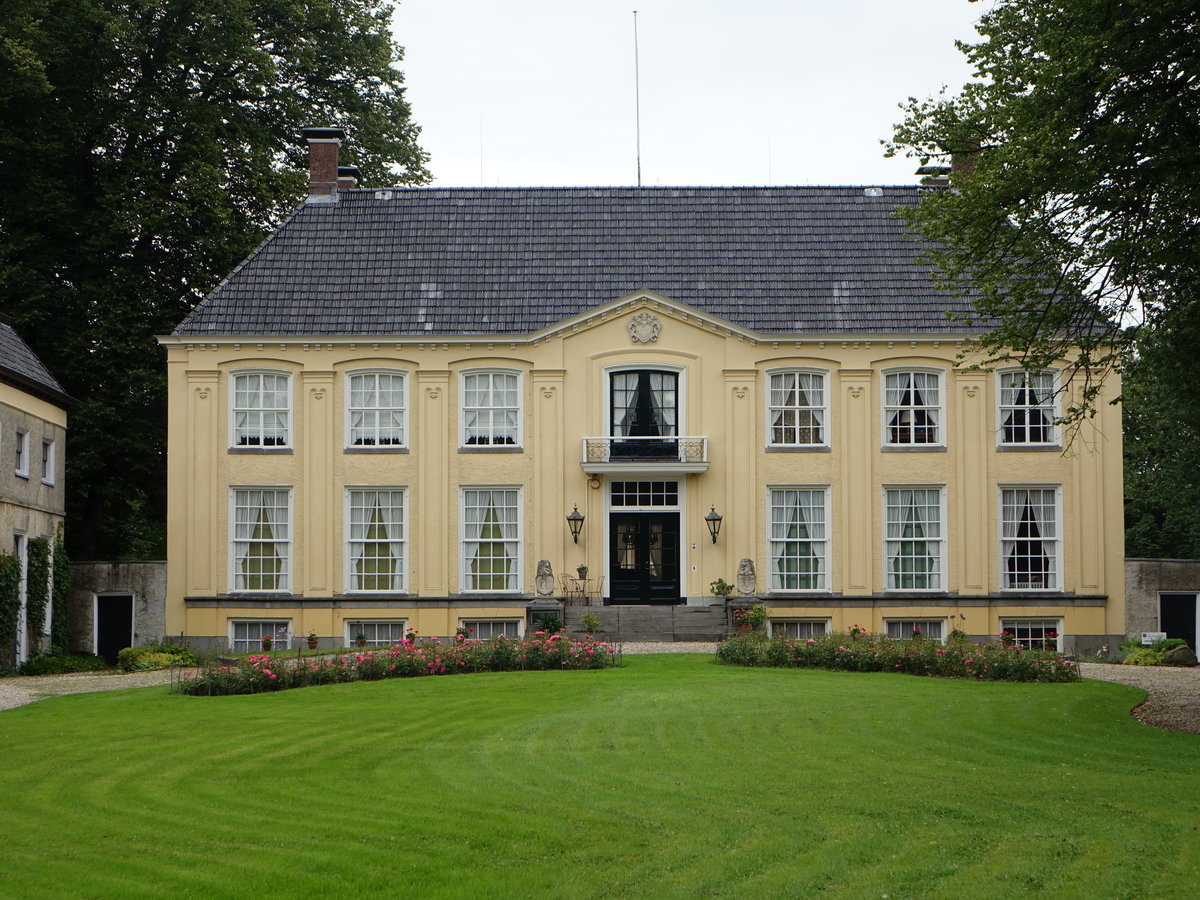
1173,702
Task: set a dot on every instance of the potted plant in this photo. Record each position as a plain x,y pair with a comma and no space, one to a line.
721,588
360,639
312,639
266,642
756,615
857,631
582,570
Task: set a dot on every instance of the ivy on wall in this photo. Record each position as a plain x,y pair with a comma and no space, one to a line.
37,589
10,600
59,635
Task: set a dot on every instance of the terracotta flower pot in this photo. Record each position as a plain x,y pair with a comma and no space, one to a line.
312,643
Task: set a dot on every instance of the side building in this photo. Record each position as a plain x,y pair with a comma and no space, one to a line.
410,406
33,434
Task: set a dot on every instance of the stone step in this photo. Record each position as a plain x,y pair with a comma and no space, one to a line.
652,623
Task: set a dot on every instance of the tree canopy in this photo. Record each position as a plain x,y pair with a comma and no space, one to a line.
1075,212
1079,212
147,147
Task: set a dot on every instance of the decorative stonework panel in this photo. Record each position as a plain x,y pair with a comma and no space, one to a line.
644,327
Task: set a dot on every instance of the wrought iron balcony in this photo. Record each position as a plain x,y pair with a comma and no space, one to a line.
679,454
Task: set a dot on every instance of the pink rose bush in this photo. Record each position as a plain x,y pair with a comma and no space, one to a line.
874,653
408,658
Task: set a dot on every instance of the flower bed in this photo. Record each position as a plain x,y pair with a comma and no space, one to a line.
874,653
406,659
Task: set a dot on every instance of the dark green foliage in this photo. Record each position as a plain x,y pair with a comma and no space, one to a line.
154,656
1162,437
61,663
842,652
1081,207
406,659
37,585
550,623
10,602
148,147
61,564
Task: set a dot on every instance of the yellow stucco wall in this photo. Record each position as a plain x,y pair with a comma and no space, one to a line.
563,380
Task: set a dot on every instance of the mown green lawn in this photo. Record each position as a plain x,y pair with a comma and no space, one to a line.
671,776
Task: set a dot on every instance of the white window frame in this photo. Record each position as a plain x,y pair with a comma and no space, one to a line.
278,627
940,570
400,576
353,626
373,437
21,451
479,620
1048,407
48,461
1051,545
820,410
235,560
903,624
256,438
492,410
780,625
1015,625
938,409
821,543
514,577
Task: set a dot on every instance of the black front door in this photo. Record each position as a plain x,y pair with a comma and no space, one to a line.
114,625
1177,617
644,553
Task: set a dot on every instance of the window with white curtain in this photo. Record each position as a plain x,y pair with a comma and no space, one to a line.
797,409
798,544
914,542
376,409
1027,408
912,408
261,539
1029,543
261,409
491,409
375,546
491,544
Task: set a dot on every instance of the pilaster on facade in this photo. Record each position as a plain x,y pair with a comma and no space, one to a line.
435,499
973,438
318,439
200,482
742,527
552,459
859,494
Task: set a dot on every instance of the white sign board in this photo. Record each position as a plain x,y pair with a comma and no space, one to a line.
1149,637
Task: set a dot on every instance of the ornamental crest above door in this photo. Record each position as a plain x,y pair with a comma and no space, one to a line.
644,327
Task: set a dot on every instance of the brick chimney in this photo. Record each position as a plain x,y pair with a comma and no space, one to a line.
323,144
348,177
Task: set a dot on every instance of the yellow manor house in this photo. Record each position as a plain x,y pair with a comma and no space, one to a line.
426,408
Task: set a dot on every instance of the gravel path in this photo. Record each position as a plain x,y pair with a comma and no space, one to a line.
1173,702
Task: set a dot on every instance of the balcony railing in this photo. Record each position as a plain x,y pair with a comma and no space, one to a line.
679,454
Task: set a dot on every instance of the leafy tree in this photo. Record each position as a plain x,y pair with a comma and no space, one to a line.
1162,434
1081,205
148,146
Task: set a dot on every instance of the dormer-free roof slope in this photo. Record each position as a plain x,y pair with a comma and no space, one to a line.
453,261
20,367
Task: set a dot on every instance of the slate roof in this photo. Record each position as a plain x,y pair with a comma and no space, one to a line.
21,367
454,261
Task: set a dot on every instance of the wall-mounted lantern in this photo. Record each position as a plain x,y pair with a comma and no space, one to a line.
575,523
713,521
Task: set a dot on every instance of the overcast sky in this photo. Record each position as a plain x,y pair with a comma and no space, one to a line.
541,92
